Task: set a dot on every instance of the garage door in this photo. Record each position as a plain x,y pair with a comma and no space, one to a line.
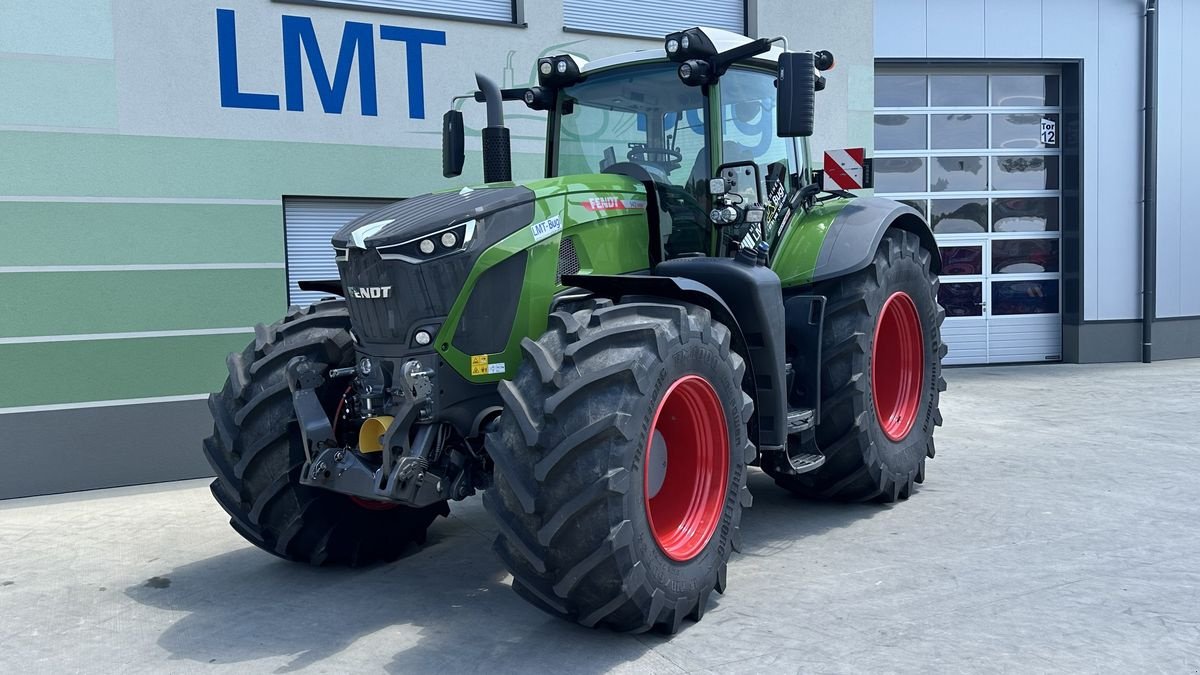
308,224
978,153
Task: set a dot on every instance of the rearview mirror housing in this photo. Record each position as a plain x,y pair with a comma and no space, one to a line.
453,143
796,112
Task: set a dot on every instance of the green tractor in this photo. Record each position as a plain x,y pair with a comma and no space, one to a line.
604,352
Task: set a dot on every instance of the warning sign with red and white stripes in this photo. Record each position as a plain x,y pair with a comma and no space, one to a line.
844,169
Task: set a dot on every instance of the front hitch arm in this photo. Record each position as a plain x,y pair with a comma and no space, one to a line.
303,378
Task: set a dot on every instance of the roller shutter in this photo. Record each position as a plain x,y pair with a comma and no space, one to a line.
653,18
308,225
491,10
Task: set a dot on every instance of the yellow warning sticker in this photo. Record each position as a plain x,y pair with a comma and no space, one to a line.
480,366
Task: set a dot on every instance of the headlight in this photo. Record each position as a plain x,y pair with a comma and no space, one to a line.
672,46
431,246
695,72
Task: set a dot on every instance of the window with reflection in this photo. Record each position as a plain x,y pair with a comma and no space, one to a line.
901,91
958,132
1025,214
1024,256
900,174
1038,296
1022,130
1012,91
901,132
961,299
958,216
958,174
958,90
919,204
1025,172
961,260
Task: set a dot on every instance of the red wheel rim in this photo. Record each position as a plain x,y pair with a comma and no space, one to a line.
373,504
684,502
897,366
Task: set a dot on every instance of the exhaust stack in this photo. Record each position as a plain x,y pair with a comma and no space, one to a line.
497,148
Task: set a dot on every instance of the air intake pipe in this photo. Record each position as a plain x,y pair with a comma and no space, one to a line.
497,148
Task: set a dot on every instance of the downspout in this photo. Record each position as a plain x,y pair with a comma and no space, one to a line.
1150,185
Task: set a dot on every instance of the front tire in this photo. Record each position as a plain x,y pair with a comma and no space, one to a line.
881,376
257,453
621,465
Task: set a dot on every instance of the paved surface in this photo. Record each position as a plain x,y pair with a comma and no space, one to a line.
1058,531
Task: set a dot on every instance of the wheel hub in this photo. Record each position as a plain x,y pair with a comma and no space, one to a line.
897,366
686,468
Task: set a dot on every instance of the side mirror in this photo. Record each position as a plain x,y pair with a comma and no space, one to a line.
796,110
453,143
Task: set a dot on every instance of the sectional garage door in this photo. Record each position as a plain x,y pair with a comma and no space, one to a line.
978,152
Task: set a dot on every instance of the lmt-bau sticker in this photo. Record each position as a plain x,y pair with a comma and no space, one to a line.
480,366
546,228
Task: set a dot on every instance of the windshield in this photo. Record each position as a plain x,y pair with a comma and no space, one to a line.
643,115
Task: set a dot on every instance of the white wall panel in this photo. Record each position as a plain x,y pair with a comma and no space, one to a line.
1116,229
955,28
1189,150
1013,28
1171,169
900,29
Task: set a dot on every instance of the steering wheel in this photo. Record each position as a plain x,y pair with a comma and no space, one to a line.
641,153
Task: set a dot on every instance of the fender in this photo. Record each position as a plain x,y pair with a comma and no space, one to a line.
856,231
769,431
330,286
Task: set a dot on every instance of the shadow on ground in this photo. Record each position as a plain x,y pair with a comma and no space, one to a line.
447,606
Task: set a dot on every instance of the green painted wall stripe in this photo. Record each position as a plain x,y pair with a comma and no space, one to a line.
57,303
69,372
50,93
76,164
42,233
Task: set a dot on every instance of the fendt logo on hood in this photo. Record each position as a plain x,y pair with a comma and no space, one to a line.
369,292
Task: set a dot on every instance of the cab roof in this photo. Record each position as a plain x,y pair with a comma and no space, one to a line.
723,40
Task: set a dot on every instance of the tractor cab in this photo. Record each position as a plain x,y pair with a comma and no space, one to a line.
702,123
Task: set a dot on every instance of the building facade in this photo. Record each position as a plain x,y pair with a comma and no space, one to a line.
1017,126
167,168
168,171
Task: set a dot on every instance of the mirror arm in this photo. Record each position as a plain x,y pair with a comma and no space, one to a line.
721,62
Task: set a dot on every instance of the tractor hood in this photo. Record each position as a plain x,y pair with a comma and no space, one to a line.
404,266
429,214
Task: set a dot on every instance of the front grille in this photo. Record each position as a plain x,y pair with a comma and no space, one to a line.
568,259
374,319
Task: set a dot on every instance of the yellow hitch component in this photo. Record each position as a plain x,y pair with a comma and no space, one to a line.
370,436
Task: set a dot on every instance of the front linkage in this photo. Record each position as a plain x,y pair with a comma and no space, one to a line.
408,443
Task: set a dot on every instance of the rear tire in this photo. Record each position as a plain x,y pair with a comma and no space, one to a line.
257,454
880,381
596,525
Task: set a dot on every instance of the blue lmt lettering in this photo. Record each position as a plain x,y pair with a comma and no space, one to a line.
301,52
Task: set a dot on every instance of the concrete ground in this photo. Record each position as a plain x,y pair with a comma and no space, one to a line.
1058,531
